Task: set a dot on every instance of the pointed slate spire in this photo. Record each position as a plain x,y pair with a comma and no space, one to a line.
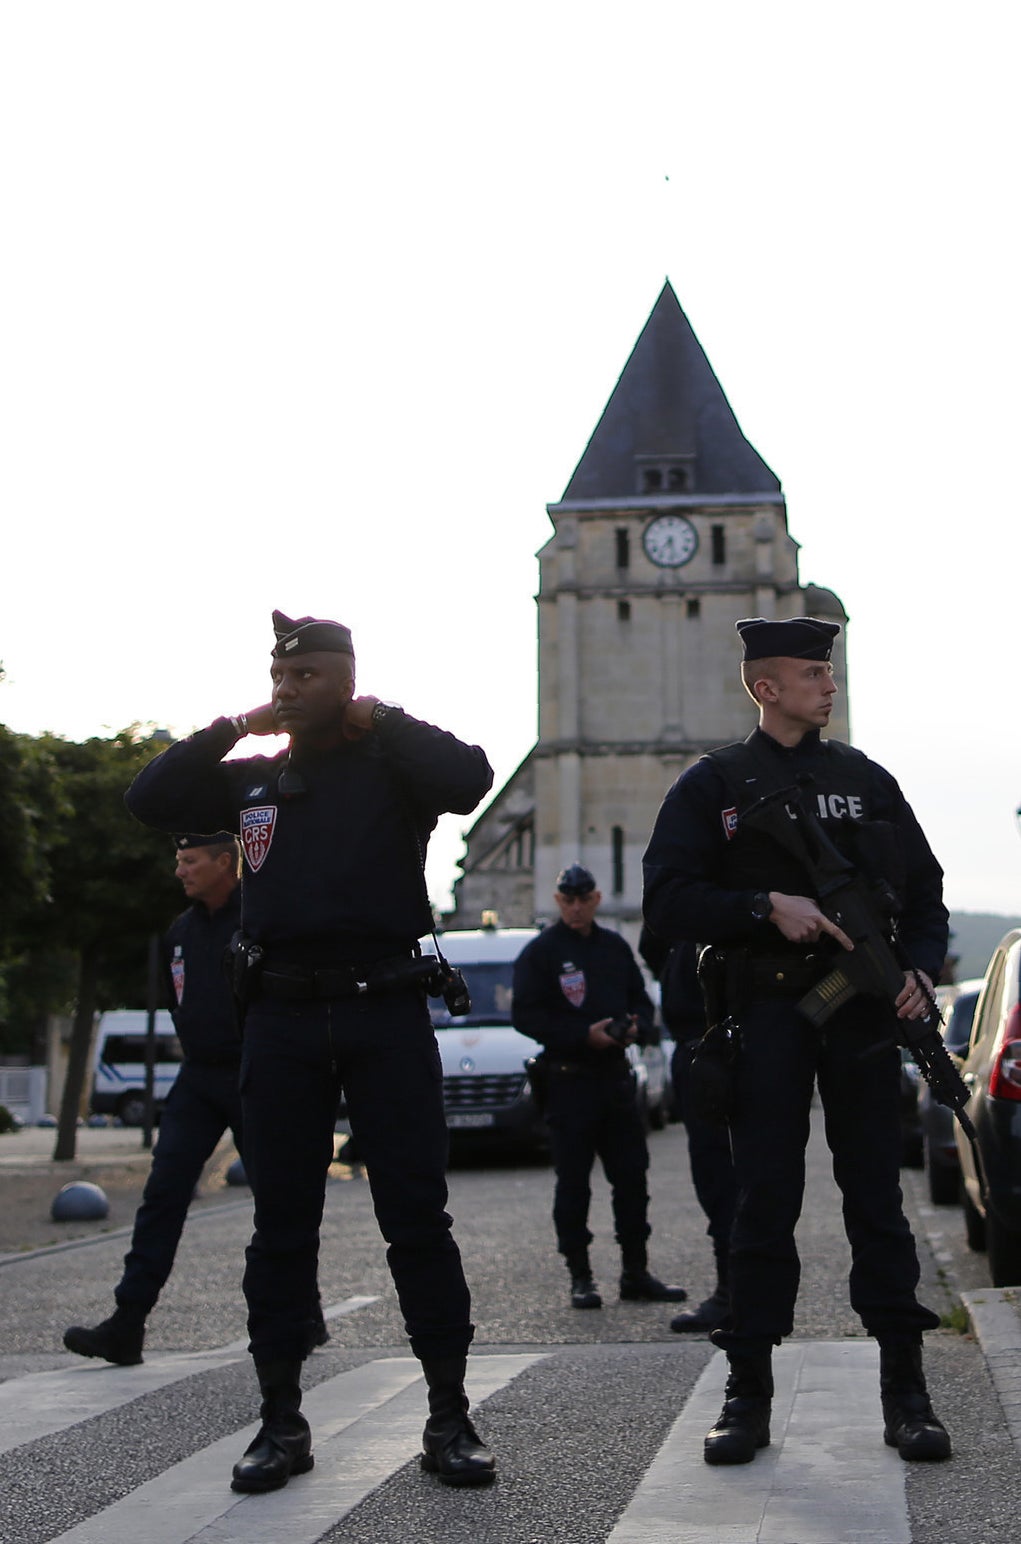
668,426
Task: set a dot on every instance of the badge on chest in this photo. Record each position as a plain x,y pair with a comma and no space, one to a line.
257,826
572,983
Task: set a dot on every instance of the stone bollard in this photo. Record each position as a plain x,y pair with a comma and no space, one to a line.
80,1201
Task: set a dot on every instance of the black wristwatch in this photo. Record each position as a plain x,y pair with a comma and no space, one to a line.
382,711
761,906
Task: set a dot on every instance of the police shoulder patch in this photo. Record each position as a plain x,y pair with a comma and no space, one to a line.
257,826
729,818
572,984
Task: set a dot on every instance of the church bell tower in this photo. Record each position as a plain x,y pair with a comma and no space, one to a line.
671,528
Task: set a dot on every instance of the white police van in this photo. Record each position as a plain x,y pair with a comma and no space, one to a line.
486,1093
118,1077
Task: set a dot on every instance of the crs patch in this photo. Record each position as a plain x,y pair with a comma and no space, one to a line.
257,826
572,984
177,974
729,818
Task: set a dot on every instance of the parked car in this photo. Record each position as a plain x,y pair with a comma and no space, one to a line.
118,1079
941,1162
992,1071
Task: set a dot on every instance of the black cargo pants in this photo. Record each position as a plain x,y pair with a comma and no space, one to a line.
381,1050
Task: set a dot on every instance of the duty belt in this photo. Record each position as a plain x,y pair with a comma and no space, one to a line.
388,975
786,975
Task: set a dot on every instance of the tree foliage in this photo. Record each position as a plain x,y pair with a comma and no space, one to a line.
93,885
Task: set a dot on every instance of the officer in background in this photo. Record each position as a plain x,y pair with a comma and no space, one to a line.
707,877
204,1101
675,966
334,832
574,983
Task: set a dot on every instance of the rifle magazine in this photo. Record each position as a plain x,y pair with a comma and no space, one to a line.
829,994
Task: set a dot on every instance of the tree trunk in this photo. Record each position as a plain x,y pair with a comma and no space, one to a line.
78,1056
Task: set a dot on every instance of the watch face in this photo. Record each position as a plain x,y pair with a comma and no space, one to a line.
670,541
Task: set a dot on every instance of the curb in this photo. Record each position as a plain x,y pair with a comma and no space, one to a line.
995,1314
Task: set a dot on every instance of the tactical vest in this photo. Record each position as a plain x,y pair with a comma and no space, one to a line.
835,784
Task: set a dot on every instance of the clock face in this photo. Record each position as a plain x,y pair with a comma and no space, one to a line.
671,541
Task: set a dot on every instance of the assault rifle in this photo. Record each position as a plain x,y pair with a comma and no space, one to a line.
867,914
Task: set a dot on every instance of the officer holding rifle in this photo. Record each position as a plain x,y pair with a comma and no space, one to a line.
333,835
713,873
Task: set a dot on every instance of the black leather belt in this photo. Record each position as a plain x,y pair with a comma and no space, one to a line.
389,975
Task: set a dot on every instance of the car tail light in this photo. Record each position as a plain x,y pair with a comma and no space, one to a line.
1005,1078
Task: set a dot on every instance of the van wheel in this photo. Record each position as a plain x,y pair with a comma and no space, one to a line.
131,1109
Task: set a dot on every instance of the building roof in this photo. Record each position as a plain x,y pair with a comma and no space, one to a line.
668,409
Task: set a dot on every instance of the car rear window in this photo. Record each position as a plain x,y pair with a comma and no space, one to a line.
958,1030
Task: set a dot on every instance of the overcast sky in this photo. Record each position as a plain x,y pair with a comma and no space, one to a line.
315,306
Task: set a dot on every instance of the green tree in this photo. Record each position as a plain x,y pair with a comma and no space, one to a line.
32,808
110,887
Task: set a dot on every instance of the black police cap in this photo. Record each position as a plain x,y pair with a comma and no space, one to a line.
575,880
198,839
309,635
797,638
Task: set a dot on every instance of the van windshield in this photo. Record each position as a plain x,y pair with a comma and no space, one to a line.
491,989
118,1050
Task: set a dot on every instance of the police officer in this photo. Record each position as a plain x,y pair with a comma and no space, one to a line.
333,833
572,984
675,966
707,877
204,1101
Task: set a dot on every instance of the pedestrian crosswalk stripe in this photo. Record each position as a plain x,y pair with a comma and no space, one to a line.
826,1478
366,1423
43,1403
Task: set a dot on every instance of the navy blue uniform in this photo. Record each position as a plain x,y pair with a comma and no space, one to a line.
563,983
204,1101
332,878
701,874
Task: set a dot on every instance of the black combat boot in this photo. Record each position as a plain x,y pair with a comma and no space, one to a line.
637,1285
909,1424
583,1288
118,1339
451,1447
743,1426
283,1444
709,1314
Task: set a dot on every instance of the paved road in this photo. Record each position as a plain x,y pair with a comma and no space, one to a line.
597,1418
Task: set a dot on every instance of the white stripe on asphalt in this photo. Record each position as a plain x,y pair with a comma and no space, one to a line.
366,1423
826,1478
43,1403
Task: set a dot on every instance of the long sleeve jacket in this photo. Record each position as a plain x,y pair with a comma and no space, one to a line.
333,840
685,892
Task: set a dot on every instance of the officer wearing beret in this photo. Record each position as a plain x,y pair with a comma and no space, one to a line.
333,833
707,878
572,984
204,1101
